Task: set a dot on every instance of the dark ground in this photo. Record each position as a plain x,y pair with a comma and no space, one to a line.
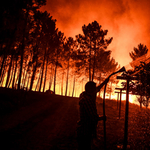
40,121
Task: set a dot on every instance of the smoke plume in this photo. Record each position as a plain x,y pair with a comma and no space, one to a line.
126,21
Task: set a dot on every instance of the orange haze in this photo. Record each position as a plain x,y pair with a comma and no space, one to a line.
126,21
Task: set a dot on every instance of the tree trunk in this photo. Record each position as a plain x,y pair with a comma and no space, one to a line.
62,83
45,75
140,105
28,81
3,70
55,76
94,61
25,78
41,79
2,65
22,50
38,79
82,86
14,75
1,61
33,76
9,70
42,71
3,76
56,63
60,89
67,79
147,101
99,84
16,81
50,81
90,63
73,86
24,73
110,90
21,62
51,78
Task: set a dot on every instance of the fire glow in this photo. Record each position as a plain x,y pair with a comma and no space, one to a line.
126,21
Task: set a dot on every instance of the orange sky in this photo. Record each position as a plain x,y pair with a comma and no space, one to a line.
127,21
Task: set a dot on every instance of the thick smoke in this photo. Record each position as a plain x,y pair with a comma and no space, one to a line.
126,21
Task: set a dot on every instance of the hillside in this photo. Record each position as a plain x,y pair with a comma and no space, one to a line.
37,121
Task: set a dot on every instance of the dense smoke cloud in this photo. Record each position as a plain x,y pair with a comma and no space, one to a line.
127,21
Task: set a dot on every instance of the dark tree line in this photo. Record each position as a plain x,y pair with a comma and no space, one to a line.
141,69
34,53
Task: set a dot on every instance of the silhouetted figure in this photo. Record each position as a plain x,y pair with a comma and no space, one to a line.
89,118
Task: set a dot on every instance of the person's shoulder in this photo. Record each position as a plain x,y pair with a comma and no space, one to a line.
82,95
83,98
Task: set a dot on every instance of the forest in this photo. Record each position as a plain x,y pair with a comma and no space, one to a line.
35,55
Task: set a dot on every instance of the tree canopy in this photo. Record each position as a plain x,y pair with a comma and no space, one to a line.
34,53
141,69
92,50
138,52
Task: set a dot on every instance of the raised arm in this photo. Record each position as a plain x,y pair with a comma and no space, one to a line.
102,84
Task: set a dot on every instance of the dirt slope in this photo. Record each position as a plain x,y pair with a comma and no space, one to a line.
38,121
49,123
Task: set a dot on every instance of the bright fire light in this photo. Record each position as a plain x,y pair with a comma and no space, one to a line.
132,98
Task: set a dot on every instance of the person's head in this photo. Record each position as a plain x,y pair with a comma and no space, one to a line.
90,87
